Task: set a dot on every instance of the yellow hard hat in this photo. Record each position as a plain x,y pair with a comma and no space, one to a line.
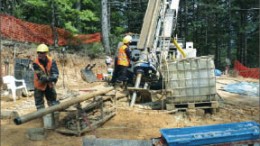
127,39
42,48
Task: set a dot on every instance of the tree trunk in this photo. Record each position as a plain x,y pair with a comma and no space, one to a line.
105,29
53,22
229,32
195,18
242,38
185,20
78,7
108,18
245,51
206,35
217,55
1,82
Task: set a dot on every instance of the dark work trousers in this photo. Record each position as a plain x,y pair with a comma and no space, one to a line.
122,73
50,95
115,72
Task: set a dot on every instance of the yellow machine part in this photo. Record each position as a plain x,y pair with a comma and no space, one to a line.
179,48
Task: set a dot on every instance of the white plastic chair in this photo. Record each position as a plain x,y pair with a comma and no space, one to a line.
10,82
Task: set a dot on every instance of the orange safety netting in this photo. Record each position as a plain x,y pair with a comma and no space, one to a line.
247,72
23,31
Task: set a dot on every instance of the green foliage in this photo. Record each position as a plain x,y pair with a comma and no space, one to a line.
69,27
221,28
37,3
115,39
67,14
93,50
226,28
87,15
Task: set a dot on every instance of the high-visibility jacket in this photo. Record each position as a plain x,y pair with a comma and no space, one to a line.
37,84
122,57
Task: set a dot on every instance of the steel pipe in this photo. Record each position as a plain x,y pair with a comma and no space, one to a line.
22,119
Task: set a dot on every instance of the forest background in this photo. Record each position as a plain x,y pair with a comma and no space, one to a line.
227,29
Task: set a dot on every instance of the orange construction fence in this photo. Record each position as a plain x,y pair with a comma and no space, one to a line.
19,30
245,71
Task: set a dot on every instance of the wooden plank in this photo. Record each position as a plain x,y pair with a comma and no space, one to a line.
198,105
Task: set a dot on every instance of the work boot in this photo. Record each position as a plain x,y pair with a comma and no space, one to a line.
118,84
40,107
111,83
125,85
52,103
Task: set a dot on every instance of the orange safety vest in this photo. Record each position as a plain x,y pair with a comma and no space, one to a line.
122,57
37,83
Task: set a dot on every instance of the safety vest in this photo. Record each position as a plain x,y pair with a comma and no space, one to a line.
37,84
122,57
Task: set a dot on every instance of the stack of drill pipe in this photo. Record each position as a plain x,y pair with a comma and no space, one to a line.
61,106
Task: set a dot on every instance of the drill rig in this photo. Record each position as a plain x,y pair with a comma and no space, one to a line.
188,81
154,43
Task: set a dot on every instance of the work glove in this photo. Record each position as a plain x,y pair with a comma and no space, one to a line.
44,79
53,79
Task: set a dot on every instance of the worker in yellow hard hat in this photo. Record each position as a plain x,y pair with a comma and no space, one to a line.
46,75
122,61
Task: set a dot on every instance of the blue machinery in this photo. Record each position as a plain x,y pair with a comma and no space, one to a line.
212,134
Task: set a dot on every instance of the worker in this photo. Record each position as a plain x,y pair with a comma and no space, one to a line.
46,75
123,60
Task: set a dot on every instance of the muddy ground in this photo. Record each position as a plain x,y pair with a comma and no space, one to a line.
128,123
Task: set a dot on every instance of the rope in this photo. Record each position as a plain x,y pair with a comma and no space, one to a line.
87,121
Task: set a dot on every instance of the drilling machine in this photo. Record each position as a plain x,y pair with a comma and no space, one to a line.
154,43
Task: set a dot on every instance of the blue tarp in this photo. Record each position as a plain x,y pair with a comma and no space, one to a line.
243,88
211,134
218,72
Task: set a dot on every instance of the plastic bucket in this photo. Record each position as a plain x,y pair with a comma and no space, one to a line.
110,71
48,121
51,121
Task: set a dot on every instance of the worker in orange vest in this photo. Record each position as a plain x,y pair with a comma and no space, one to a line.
46,75
123,60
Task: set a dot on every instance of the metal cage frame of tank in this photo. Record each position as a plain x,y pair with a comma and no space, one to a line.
190,80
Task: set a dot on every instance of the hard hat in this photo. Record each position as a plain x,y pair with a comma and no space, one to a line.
42,48
127,39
